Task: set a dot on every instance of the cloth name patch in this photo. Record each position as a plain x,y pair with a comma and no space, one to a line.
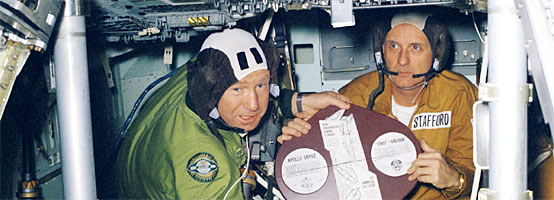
431,120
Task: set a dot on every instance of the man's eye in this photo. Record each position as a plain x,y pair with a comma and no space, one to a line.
237,89
262,85
416,47
394,45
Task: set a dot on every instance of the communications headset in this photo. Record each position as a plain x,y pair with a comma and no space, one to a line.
436,33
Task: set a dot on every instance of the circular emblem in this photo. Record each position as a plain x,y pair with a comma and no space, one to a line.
202,167
304,170
393,153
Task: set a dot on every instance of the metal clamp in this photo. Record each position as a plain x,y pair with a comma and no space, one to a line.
491,92
487,194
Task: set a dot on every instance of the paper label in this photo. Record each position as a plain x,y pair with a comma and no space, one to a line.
432,120
352,175
304,171
393,153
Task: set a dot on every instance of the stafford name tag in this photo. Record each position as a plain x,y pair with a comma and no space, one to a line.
432,120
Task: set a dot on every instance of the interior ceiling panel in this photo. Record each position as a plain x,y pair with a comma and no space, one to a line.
148,20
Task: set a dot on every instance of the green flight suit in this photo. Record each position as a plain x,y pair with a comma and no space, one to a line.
169,152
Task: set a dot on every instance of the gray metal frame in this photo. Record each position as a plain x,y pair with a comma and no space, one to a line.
35,24
509,94
72,94
131,21
538,16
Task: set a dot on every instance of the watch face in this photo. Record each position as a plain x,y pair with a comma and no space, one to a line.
461,181
347,154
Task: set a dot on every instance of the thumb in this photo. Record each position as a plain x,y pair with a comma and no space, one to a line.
304,115
425,147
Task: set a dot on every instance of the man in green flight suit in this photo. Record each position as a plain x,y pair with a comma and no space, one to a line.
186,141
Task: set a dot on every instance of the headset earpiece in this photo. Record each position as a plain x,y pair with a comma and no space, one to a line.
436,65
378,58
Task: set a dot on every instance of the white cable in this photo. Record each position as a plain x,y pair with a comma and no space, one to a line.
243,173
484,64
263,182
420,90
477,29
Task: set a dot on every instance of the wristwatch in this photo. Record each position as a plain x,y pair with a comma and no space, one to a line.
461,181
299,100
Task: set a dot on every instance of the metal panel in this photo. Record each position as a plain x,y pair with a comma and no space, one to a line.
124,20
35,23
303,29
346,52
140,67
539,33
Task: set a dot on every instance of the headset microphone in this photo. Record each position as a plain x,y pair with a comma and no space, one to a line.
433,69
423,74
380,66
388,72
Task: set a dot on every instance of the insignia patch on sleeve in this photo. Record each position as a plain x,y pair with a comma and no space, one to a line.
202,167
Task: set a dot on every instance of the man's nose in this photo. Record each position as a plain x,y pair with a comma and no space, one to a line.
251,101
403,58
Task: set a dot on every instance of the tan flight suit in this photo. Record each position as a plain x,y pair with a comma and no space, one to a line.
442,118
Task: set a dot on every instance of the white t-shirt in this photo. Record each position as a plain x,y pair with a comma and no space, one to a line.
403,113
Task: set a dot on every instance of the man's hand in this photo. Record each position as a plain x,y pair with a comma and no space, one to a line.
311,103
431,167
296,127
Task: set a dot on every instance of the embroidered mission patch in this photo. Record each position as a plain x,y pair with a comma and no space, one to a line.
203,167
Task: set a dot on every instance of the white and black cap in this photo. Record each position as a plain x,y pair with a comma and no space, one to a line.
241,48
225,58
